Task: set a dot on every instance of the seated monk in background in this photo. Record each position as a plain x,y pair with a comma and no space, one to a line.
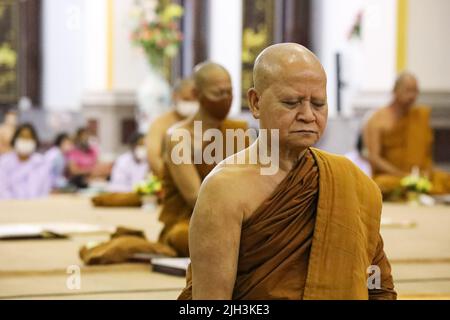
185,105
181,182
399,138
308,231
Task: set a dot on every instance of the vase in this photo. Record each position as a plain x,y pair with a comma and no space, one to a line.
413,198
149,202
153,98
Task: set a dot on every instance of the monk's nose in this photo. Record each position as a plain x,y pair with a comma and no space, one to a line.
305,113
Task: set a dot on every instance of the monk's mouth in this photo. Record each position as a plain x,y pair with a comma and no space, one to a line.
305,131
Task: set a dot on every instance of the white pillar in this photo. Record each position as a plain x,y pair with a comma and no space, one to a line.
225,42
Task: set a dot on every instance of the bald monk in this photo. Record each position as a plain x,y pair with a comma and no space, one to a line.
399,138
185,105
181,182
309,231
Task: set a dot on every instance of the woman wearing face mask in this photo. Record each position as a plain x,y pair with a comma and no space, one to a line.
131,167
24,174
56,159
82,159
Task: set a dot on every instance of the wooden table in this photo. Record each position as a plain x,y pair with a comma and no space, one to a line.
37,269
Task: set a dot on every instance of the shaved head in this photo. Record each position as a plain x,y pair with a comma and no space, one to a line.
213,89
184,90
404,77
290,95
183,84
406,91
277,59
204,71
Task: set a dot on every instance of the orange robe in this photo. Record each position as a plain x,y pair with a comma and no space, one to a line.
409,144
314,238
176,212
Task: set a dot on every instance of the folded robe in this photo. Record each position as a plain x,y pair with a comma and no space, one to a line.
130,199
314,238
124,244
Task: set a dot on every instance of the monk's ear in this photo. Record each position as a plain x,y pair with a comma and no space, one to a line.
253,102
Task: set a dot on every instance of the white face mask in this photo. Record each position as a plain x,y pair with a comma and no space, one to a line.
186,108
25,147
141,153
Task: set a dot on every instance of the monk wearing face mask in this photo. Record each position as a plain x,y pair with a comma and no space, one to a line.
24,173
185,105
181,182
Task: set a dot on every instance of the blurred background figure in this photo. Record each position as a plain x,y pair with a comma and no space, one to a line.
131,167
24,173
56,157
82,159
184,105
7,129
359,156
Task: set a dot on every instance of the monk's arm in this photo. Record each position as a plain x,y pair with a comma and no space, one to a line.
154,142
214,239
185,174
372,139
386,290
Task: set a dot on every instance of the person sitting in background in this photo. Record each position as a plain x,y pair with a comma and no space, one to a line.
82,159
181,181
131,167
7,129
400,140
359,157
24,173
56,159
185,105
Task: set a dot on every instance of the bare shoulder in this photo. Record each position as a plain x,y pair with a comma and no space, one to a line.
230,181
238,187
377,119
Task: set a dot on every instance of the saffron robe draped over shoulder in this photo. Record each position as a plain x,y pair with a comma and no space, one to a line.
409,144
315,237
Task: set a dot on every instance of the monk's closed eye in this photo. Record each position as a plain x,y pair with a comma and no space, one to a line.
290,103
318,104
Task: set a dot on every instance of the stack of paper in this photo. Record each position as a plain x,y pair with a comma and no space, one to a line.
172,266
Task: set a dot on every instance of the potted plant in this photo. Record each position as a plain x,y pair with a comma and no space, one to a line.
157,34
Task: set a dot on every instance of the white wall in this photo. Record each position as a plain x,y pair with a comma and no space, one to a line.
94,37
130,65
428,43
62,36
225,42
369,64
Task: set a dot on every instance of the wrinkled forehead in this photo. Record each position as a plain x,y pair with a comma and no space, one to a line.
306,79
216,80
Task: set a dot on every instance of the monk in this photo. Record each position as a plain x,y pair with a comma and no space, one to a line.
399,138
308,231
181,181
185,105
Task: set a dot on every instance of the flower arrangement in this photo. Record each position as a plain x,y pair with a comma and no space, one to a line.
415,183
151,186
157,30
